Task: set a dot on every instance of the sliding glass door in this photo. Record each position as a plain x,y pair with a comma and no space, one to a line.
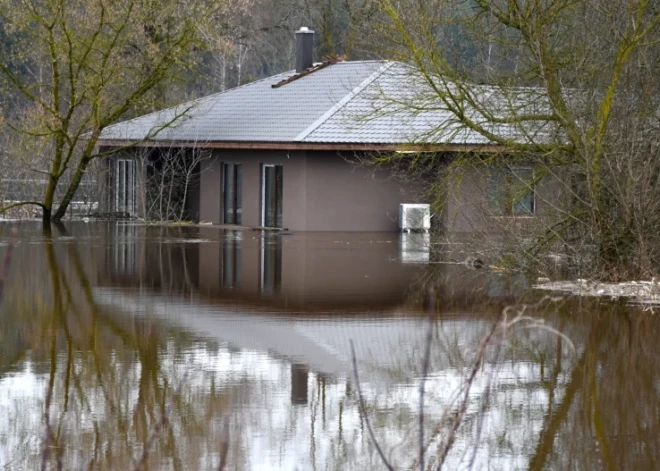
271,195
125,174
232,186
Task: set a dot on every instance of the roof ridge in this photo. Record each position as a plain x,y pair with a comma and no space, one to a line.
339,105
366,61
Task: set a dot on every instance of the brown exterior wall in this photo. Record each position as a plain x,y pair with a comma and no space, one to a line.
322,191
467,209
293,204
344,197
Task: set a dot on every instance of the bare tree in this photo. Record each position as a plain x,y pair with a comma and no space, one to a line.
74,67
169,177
571,86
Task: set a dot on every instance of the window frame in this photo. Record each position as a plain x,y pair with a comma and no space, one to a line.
237,197
506,207
125,175
278,176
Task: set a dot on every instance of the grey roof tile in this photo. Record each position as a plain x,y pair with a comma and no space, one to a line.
252,112
381,113
347,102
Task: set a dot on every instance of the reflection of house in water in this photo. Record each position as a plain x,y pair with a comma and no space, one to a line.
231,259
292,271
293,305
242,278
124,257
148,257
300,376
270,264
299,379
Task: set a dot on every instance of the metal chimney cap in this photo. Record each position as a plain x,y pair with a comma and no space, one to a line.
305,29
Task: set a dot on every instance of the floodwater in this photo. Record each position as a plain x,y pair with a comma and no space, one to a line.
131,347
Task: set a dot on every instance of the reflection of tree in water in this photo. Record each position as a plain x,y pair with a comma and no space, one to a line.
110,382
153,257
539,405
607,416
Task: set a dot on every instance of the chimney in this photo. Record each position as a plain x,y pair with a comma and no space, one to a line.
304,49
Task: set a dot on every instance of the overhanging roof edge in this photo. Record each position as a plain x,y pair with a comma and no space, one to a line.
297,145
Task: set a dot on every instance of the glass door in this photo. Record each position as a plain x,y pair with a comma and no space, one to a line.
271,195
125,186
232,183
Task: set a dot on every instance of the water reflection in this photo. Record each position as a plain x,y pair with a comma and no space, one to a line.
415,247
189,342
124,257
231,259
270,264
299,380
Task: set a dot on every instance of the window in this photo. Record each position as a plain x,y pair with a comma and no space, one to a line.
511,191
124,250
232,187
125,173
271,195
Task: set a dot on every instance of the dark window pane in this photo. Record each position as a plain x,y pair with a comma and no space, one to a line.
510,191
228,193
238,201
232,186
279,189
272,191
125,185
522,193
269,196
497,191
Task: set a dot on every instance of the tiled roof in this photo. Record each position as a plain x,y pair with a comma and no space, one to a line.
347,102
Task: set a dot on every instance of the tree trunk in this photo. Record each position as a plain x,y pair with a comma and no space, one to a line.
47,207
71,190
45,218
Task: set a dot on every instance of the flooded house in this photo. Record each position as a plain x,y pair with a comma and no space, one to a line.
289,151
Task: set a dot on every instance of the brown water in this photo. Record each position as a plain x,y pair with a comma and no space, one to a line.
124,346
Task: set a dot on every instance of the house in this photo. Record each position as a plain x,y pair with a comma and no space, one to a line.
281,151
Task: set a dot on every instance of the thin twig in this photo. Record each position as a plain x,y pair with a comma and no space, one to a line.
364,411
425,370
45,455
484,405
466,395
155,431
50,439
224,446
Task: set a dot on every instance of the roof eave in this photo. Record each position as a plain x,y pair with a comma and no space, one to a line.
335,146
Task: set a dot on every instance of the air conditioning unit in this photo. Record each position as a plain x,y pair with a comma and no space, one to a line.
414,217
